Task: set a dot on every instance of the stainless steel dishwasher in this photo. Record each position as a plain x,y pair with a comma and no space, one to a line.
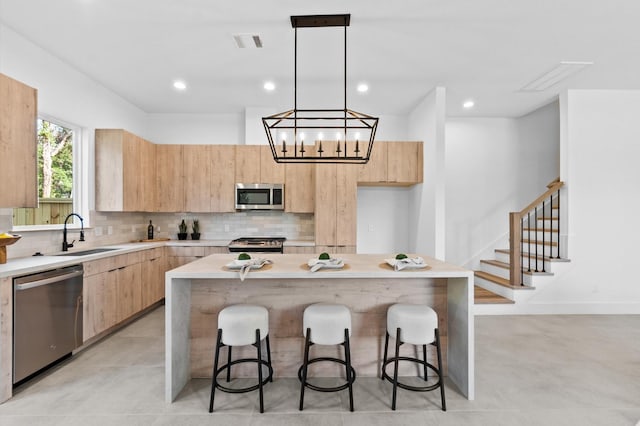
47,319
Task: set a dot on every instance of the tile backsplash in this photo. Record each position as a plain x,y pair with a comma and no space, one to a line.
115,228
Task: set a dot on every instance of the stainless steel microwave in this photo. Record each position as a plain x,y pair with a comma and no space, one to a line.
259,196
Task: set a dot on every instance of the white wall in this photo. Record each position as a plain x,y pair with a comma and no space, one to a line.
495,166
427,203
195,129
383,220
600,153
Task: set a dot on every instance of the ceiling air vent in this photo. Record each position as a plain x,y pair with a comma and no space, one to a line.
248,41
554,76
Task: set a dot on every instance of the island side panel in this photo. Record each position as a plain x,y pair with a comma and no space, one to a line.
286,300
460,356
177,341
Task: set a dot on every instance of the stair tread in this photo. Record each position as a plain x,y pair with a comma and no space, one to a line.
547,258
505,265
484,296
500,281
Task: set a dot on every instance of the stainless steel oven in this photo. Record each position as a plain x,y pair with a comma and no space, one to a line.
259,196
257,245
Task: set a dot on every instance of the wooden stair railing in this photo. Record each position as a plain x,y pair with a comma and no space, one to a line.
516,240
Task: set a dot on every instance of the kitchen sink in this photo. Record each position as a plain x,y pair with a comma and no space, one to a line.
86,252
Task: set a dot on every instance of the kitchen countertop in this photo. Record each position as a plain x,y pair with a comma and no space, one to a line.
33,264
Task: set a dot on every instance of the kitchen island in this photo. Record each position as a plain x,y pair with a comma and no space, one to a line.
196,292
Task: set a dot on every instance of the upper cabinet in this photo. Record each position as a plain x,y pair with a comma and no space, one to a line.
125,171
18,144
223,164
404,163
169,179
208,174
393,163
299,187
255,164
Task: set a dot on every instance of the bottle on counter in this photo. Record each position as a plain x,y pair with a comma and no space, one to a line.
150,231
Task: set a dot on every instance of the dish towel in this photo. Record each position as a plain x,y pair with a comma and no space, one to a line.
317,264
408,262
252,264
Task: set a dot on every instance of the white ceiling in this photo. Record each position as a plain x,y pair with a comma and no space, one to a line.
481,49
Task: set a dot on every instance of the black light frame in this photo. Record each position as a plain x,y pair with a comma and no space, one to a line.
350,152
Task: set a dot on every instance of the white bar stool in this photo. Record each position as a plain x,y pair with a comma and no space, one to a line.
242,325
327,324
415,325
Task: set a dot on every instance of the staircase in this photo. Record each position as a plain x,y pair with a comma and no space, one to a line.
533,255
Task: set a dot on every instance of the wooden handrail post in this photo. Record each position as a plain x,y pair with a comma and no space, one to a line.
515,255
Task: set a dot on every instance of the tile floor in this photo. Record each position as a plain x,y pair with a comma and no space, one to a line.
530,370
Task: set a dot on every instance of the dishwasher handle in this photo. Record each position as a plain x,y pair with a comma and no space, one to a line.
38,283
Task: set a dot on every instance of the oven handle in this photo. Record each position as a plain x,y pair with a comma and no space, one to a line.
46,281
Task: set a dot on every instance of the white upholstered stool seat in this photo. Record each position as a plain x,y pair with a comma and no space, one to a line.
327,324
242,325
415,325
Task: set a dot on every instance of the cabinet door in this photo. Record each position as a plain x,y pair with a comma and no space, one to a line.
131,172
299,187
223,180
346,204
270,171
148,173
375,171
404,162
247,164
326,207
18,144
99,296
169,181
129,291
152,278
196,165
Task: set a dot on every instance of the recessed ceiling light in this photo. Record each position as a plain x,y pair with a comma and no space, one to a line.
468,104
269,86
363,87
179,85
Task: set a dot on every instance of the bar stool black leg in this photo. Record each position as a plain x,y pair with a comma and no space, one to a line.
347,359
215,368
228,364
384,359
258,347
269,356
307,342
395,370
440,367
424,356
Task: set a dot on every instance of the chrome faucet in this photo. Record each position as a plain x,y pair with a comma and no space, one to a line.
66,246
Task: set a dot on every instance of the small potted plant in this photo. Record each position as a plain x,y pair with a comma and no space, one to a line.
182,231
195,235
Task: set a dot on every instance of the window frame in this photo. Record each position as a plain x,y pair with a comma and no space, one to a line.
79,191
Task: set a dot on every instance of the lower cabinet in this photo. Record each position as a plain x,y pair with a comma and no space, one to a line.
118,287
299,249
181,255
153,269
335,249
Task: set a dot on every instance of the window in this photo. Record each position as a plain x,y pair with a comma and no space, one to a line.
58,177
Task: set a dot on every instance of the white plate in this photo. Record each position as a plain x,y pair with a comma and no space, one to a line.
412,265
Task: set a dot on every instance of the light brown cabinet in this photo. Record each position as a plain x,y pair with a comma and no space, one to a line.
404,163
393,163
125,169
223,178
169,181
153,269
18,144
196,170
114,290
299,187
336,197
255,164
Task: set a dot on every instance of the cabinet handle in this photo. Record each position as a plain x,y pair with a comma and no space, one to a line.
122,267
